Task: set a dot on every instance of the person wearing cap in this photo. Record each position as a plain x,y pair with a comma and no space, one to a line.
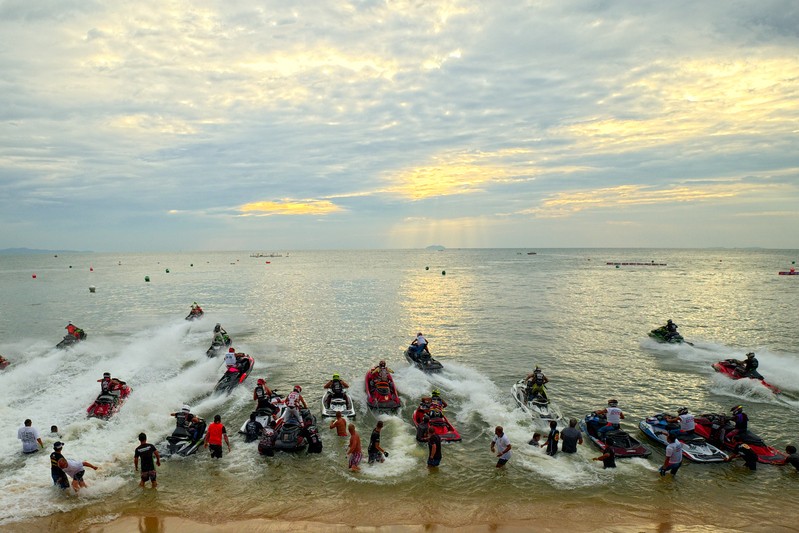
146,451
105,383
613,416
261,394
230,357
183,417
60,478
75,470
213,437
29,436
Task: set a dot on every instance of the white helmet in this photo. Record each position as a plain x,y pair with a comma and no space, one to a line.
186,408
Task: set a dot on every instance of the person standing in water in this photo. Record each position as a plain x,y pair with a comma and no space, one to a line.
354,451
146,451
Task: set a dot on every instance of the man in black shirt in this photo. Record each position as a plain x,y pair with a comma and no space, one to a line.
60,478
376,452
146,451
434,445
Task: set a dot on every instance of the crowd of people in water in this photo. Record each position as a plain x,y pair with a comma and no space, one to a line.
271,413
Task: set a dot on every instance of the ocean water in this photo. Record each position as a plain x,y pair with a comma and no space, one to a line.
490,316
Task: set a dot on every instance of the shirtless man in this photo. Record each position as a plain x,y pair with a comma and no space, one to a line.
354,450
339,424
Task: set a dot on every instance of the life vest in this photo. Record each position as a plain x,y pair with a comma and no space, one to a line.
260,393
251,429
337,387
215,433
183,420
614,415
539,378
105,385
292,399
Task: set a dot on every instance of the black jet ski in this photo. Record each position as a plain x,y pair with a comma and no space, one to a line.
70,340
290,436
423,361
218,346
662,334
181,443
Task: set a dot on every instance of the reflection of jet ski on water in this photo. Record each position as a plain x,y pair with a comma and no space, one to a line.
235,374
423,361
694,447
534,405
622,442
735,369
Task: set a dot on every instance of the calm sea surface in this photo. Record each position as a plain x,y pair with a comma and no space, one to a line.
490,316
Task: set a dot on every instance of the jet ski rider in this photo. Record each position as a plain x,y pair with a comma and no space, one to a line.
380,373
293,402
183,417
261,394
613,416
748,368
230,358
535,384
337,386
75,331
741,424
220,335
420,343
686,421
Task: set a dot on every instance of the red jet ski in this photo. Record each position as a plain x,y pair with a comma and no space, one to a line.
432,415
108,403
710,427
729,367
235,374
381,395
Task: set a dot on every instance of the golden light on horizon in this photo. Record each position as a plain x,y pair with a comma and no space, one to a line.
289,207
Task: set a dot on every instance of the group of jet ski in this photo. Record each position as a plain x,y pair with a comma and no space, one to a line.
732,368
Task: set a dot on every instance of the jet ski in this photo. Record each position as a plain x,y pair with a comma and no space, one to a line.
4,363
331,405
290,436
108,403
694,447
181,443
70,340
622,442
729,367
381,395
235,374
429,415
662,334
422,361
194,315
712,426
218,347
537,406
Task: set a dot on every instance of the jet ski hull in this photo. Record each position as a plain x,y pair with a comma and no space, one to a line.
694,447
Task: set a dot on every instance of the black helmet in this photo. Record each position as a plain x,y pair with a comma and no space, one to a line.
750,355
218,327
737,409
669,321
106,374
682,410
613,403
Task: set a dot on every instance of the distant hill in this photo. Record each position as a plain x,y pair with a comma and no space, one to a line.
29,251
435,247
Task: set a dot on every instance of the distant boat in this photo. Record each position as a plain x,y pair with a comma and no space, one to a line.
266,255
531,253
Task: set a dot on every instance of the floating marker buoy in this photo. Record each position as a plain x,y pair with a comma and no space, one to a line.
91,269
91,288
146,278
427,268
268,262
34,276
617,266
167,271
191,265
443,272
70,266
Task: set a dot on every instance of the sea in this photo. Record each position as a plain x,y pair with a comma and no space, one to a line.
490,315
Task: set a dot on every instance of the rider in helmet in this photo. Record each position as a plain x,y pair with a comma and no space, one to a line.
671,327
613,415
535,385
220,335
293,403
436,401
75,331
686,421
230,357
748,367
380,373
183,417
337,386
261,394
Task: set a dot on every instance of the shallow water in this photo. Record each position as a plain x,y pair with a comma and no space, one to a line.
490,315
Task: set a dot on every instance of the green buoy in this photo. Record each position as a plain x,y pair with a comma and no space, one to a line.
427,268
146,278
443,272
167,271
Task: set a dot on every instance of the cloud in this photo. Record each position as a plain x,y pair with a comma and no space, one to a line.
289,207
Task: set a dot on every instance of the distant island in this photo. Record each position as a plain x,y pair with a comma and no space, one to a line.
29,251
436,247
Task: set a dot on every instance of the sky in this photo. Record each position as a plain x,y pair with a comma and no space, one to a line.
175,125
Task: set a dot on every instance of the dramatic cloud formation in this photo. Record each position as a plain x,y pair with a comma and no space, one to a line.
271,125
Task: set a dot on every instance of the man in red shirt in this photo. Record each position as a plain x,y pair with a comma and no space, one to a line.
213,437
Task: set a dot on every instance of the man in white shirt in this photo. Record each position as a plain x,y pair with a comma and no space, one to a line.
673,460
686,421
29,436
75,470
500,445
